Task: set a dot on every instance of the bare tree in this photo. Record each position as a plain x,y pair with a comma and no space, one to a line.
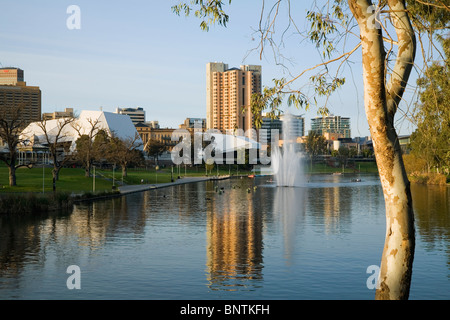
58,147
124,151
85,149
11,126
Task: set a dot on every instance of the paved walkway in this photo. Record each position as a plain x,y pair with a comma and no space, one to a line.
145,187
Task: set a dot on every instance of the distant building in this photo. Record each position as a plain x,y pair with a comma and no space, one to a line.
296,126
14,93
67,113
228,96
333,136
268,124
163,135
153,124
331,124
405,142
11,76
191,123
137,115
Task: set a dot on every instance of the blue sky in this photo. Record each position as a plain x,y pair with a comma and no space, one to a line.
138,53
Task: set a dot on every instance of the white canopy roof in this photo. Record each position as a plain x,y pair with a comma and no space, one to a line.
114,124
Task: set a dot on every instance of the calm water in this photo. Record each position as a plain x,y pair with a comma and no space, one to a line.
191,242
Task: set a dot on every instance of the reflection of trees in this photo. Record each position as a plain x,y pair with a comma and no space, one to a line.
234,237
19,239
30,240
432,215
96,222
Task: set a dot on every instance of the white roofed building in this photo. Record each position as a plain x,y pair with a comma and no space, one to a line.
114,124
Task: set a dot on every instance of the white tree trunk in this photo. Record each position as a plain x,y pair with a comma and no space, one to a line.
381,101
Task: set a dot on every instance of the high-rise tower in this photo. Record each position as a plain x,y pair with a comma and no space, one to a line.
228,95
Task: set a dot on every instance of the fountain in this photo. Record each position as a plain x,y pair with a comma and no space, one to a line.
287,162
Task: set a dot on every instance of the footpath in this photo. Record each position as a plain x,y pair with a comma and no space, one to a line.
144,187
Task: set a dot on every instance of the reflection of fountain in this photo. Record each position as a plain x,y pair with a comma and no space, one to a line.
287,163
289,206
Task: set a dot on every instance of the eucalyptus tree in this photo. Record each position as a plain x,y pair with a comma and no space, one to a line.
315,145
431,140
385,35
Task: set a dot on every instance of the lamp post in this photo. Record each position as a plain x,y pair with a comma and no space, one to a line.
94,181
114,178
43,172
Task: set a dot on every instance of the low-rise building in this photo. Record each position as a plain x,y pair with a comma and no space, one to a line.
68,112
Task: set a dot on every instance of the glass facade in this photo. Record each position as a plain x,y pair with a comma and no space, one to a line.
331,124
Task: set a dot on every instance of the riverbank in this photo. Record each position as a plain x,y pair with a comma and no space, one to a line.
432,178
32,202
145,187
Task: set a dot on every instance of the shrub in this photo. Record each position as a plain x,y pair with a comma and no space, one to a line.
33,203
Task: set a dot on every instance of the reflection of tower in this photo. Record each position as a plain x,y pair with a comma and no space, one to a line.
234,235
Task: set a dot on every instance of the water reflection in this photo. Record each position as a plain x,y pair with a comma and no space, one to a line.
432,216
331,204
94,224
20,243
234,239
66,238
289,208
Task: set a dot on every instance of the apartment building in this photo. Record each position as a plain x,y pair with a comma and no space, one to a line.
332,124
228,95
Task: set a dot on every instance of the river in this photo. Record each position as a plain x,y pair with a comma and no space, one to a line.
229,239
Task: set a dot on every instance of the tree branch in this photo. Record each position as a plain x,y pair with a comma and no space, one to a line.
405,57
346,55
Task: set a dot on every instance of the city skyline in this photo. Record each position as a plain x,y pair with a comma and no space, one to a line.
137,55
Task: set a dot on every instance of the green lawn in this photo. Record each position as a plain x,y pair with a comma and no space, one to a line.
73,179
362,167
37,180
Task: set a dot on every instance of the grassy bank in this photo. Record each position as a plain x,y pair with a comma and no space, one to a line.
26,203
431,178
359,167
